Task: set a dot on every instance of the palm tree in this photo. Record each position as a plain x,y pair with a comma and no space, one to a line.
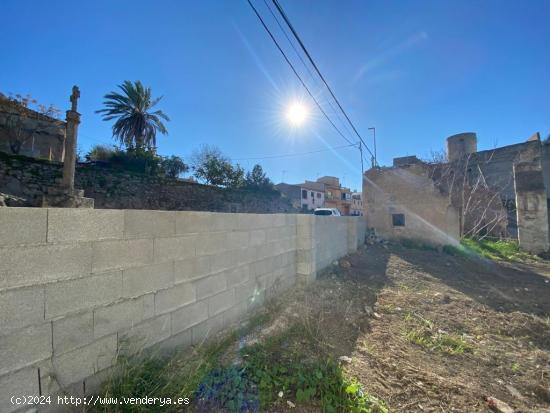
136,125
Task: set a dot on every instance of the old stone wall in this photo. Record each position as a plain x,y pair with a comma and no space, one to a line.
405,203
531,204
112,188
78,286
41,135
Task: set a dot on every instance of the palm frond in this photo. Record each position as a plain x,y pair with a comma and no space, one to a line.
135,125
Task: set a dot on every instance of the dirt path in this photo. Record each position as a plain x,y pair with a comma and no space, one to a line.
430,332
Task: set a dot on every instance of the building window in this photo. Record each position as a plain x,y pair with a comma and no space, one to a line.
398,220
318,195
304,194
311,194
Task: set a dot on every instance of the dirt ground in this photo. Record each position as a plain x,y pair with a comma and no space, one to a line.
366,308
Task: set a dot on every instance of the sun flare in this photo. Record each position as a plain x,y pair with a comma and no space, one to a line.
297,114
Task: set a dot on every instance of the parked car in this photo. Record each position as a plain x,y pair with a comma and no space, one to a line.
327,211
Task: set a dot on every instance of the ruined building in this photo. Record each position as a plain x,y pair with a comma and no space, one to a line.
499,192
24,131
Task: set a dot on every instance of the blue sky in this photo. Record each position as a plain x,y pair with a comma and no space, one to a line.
416,70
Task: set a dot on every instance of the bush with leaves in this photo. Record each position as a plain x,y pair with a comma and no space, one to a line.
258,180
173,166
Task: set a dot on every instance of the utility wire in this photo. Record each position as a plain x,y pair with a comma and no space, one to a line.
296,154
296,73
287,21
303,62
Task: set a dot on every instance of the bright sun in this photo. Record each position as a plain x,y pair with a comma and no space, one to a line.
297,113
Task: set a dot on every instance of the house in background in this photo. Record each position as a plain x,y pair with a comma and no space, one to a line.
336,196
313,195
27,132
356,204
306,196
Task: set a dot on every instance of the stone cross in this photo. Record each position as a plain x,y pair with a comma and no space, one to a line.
71,133
74,98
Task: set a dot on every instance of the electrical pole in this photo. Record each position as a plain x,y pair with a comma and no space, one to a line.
374,137
361,152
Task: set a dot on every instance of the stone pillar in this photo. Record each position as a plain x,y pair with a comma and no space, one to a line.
531,207
69,162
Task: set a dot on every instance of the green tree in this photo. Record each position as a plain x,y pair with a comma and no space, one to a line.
136,124
213,168
173,166
257,179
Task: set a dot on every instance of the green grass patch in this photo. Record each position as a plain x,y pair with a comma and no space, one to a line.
291,364
497,250
424,333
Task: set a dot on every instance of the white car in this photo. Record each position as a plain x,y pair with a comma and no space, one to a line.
327,211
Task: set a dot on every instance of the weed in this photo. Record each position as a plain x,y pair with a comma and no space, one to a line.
283,363
496,250
422,332
515,367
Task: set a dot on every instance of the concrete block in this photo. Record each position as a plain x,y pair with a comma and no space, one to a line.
21,307
212,243
142,280
22,383
234,314
175,248
175,297
225,222
22,226
247,290
123,315
192,268
149,224
48,263
237,275
85,361
83,224
189,316
263,266
237,239
258,237
193,222
220,302
210,285
70,296
245,256
223,260
109,255
176,342
204,331
145,334
25,347
72,332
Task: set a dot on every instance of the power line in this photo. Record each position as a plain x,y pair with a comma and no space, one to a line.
296,154
302,60
287,21
296,73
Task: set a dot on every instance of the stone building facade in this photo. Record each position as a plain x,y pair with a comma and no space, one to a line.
433,201
30,133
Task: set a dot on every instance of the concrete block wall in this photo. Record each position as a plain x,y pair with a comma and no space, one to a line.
78,286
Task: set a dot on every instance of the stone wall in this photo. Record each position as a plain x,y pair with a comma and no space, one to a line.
77,286
41,135
409,194
117,189
532,209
